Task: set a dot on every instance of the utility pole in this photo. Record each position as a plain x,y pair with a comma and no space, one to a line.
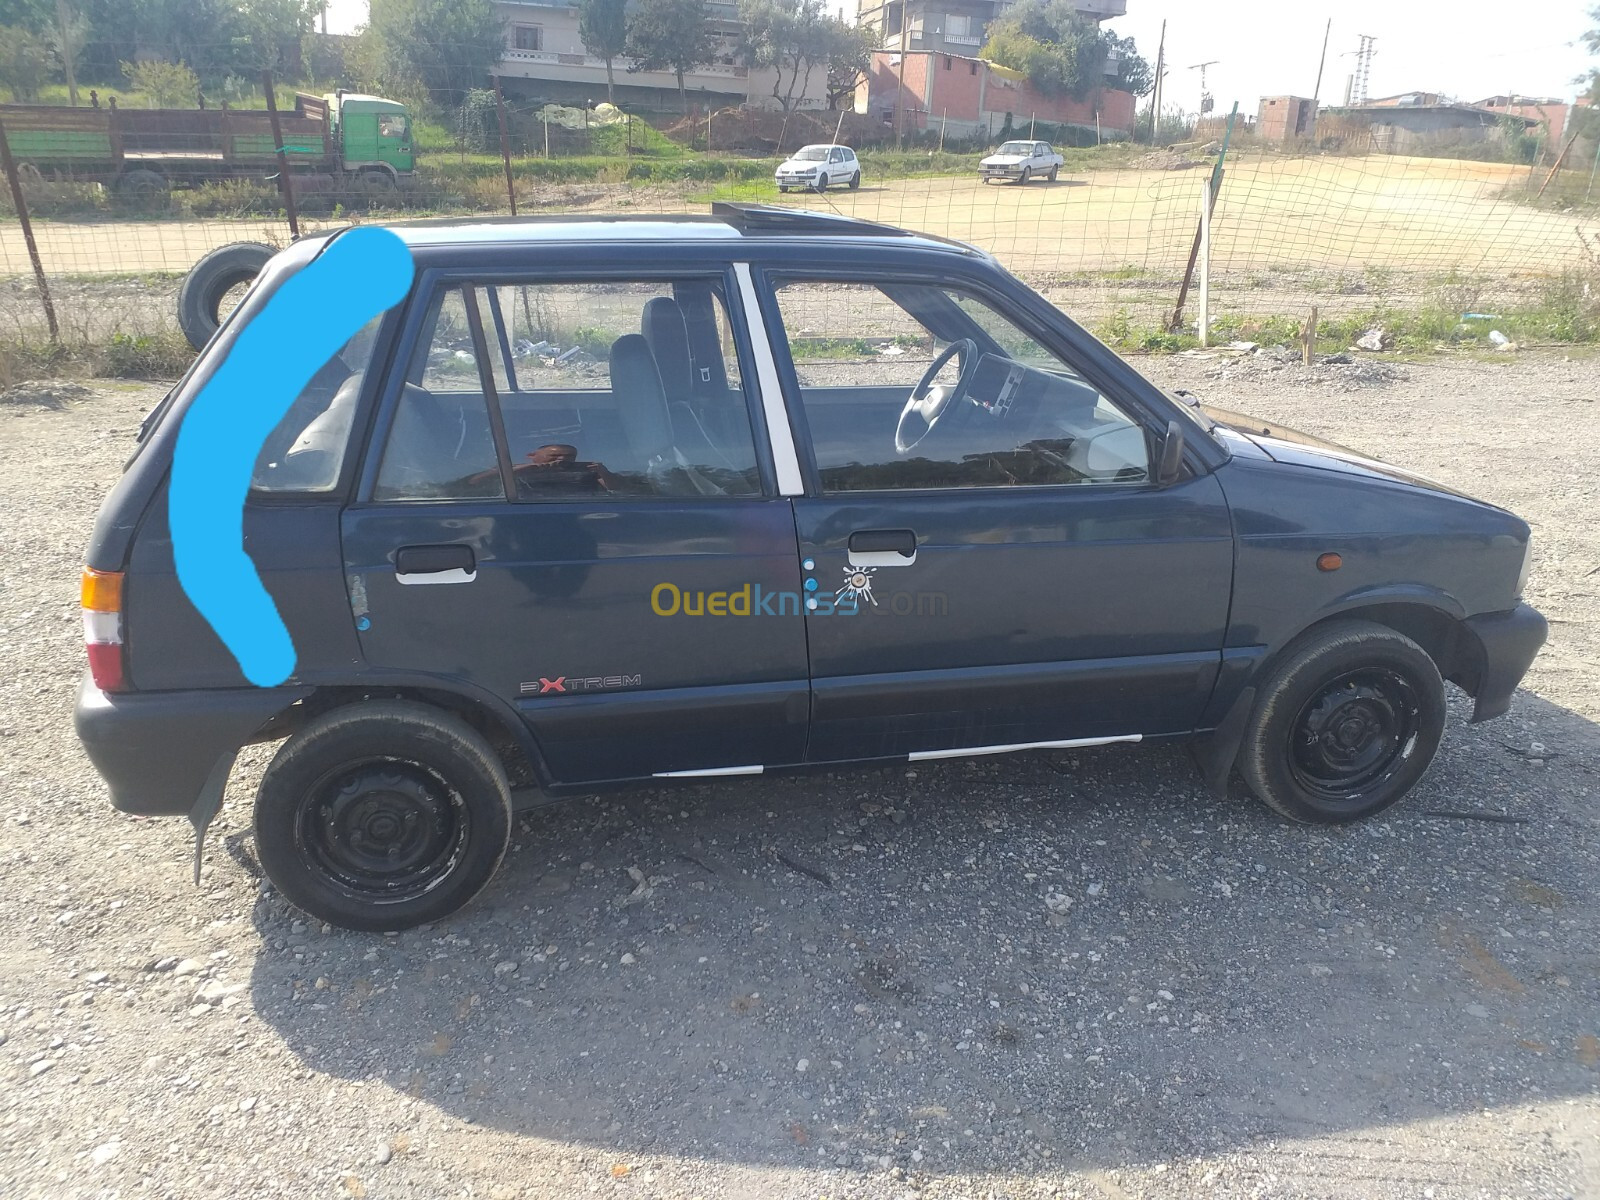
1316,93
1206,102
1358,88
900,80
67,52
1155,95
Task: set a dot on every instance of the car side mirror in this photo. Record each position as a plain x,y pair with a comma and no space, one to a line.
1169,462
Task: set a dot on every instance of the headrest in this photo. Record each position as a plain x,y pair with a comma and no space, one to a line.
641,400
668,334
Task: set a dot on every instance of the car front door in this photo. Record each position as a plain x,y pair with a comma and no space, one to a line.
564,508
1010,575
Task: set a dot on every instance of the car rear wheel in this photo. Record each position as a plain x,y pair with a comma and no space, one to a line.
1054,171
1344,725
383,815
855,181
1027,174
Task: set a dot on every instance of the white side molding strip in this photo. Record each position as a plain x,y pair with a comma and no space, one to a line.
1069,744
779,433
709,771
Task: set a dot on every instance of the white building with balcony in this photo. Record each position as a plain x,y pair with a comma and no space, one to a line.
545,59
953,26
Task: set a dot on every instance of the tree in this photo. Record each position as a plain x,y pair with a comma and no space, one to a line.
274,29
435,50
36,16
1063,53
1586,118
849,59
671,35
168,85
25,62
603,29
798,37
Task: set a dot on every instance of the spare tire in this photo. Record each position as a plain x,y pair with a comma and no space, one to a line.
208,283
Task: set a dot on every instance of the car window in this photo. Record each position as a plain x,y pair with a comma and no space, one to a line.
440,446
1018,415
306,450
604,390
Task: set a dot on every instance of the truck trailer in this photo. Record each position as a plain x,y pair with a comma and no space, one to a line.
342,140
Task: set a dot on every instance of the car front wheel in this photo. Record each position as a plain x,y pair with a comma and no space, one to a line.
1344,725
822,183
1027,174
383,815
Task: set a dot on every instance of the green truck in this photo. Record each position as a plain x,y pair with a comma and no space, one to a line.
341,140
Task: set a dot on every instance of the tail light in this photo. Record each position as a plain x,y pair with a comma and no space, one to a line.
102,628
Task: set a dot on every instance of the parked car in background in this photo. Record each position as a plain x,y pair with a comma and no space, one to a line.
636,500
1021,161
817,168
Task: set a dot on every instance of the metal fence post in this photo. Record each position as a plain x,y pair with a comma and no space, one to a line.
505,143
284,186
15,180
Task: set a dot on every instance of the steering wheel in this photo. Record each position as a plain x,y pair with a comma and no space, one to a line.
928,401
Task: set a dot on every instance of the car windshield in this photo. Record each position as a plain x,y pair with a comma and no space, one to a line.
812,154
1016,148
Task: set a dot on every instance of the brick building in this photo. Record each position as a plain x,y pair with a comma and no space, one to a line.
967,96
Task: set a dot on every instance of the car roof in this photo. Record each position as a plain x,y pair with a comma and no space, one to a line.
726,223
825,146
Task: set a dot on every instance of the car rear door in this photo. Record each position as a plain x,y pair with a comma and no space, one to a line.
539,523
981,595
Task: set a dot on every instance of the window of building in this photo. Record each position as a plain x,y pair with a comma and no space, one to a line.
528,37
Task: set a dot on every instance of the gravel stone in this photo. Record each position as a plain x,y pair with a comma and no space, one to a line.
1350,1013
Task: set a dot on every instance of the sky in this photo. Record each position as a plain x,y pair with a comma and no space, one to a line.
1469,49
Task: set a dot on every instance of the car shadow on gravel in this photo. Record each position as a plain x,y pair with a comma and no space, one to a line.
1016,964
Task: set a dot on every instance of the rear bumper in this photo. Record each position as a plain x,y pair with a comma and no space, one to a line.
156,750
1509,641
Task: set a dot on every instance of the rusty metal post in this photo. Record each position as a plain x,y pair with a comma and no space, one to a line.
505,143
15,180
284,185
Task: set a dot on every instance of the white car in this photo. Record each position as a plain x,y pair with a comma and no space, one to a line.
1021,161
816,168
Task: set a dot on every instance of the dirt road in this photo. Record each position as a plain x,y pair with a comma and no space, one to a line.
847,985
1321,216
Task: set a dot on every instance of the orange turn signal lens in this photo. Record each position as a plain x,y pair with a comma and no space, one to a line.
102,591
1329,562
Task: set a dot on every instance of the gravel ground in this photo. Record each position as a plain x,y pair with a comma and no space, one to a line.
1052,974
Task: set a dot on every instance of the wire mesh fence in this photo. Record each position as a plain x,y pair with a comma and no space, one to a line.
1109,239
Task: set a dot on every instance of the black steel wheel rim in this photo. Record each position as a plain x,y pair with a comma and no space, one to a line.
1355,734
385,829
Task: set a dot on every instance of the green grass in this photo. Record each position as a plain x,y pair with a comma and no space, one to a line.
1565,311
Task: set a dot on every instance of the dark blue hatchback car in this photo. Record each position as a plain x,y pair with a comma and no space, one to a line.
611,500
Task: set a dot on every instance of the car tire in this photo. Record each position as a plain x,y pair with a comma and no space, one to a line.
822,183
855,181
1345,723
1027,174
383,815
208,283
1054,171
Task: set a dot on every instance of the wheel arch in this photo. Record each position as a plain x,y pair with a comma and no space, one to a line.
505,732
1435,624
